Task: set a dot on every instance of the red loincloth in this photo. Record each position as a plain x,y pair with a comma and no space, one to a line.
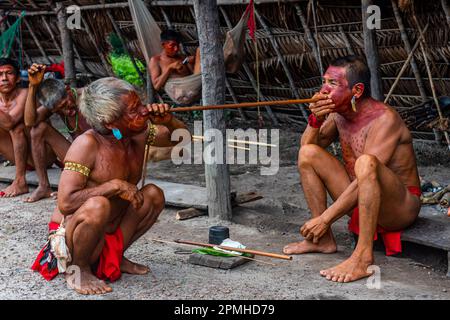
48,271
111,257
109,261
391,239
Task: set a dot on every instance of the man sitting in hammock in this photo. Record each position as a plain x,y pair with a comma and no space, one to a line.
170,63
54,97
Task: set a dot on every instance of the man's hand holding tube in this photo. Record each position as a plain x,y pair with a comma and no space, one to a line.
322,107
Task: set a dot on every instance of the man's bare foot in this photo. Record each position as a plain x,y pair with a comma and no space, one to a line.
326,244
38,194
15,189
352,269
84,282
133,268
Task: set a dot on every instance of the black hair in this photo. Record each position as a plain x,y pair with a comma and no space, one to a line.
10,62
169,35
356,72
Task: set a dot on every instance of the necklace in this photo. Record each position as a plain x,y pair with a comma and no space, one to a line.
75,95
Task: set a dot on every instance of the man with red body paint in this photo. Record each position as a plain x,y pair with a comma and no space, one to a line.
170,63
378,182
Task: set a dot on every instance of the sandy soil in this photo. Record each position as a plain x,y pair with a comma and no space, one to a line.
267,225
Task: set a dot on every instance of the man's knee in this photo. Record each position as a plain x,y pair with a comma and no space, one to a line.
96,211
156,197
18,131
308,154
366,167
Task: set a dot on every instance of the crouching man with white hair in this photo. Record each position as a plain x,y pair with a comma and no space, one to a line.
103,210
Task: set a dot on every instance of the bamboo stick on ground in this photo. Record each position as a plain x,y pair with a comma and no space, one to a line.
255,252
244,257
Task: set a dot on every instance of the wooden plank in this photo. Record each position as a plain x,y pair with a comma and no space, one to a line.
177,195
189,214
225,263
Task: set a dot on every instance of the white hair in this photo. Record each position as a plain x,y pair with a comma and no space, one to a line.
101,102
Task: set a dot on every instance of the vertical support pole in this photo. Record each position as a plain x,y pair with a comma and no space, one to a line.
371,50
446,8
67,46
408,48
213,84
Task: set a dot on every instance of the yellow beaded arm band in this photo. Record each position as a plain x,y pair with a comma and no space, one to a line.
152,133
72,166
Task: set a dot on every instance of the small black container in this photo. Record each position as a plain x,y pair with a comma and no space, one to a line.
217,234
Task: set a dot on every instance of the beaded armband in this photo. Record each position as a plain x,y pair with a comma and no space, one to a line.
152,132
72,166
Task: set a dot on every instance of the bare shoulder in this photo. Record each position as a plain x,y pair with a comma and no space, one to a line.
388,117
84,146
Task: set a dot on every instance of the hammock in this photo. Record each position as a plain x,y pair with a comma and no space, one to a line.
186,90
7,37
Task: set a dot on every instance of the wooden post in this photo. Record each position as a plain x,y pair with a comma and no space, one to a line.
213,92
250,76
67,46
282,61
371,50
446,8
408,48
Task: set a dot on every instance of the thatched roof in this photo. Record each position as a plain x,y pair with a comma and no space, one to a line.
338,25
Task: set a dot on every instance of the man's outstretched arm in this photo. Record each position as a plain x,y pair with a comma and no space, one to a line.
33,115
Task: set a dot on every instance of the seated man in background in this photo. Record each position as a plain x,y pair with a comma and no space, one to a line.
170,63
45,98
13,138
378,184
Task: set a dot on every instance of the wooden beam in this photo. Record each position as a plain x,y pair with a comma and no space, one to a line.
100,54
36,41
408,48
52,35
250,76
282,61
213,92
446,8
67,46
309,37
372,56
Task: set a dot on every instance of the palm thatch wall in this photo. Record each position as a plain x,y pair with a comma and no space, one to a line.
337,30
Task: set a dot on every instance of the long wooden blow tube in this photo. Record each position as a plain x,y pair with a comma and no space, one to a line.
243,105
259,253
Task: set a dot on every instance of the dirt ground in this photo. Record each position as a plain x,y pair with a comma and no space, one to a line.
267,224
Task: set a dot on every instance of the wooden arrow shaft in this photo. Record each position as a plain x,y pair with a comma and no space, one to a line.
243,105
255,252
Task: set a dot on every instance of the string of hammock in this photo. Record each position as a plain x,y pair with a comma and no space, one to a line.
186,90
7,38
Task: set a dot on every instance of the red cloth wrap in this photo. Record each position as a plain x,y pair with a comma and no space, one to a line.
111,257
43,270
314,122
391,239
109,261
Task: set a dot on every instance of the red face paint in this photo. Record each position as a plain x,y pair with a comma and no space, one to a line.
335,85
171,48
134,117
